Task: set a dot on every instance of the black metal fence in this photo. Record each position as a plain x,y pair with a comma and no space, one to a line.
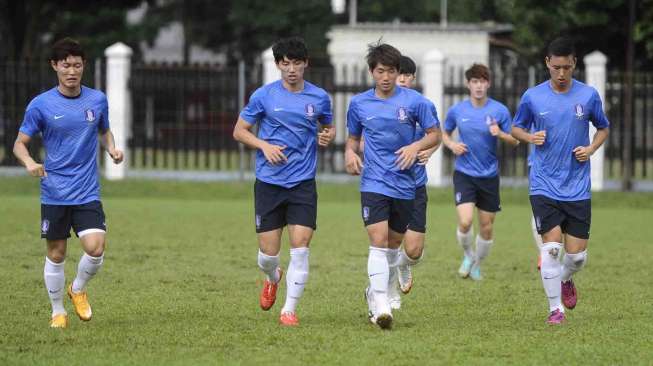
20,82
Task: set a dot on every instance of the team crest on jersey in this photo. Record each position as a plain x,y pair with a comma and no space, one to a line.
45,226
402,115
366,213
489,120
579,111
90,115
310,110
459,196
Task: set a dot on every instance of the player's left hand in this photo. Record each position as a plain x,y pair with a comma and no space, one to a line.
406,156
325,136
116,155
424,156
494,129
583,153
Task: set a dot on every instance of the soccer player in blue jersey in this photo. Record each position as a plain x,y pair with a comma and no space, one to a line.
293,116
400,262
69,118
560,111
481,122
386,117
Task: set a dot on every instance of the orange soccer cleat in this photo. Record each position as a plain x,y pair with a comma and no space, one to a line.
288,319
269,292
80,303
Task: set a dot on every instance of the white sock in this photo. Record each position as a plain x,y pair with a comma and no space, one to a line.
536,236
572,263
465,241
550,272
405,260
482,248
379,272
269,264
86,269
393,257
296,278
55,281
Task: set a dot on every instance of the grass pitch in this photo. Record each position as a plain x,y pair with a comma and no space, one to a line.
180,287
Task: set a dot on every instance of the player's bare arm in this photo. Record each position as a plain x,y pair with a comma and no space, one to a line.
536,138
22,154
109,145
495,130
407,155
353,162
583,153
458,148
243,133
326,135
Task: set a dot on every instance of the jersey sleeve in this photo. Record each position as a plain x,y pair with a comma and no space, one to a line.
450,120
524,116
327,112
103,124
354,124
32,122
504,120
598,117
427,116
254,110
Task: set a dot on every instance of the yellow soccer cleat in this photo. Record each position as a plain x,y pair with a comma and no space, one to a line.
59,321
80,303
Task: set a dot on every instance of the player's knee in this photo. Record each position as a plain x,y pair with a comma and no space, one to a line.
415,252
486,231
465,225
550,253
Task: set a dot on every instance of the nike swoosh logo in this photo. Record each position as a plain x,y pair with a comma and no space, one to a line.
58,116
278,109
55,291
374,274
465,119
544,113
369,118
300,284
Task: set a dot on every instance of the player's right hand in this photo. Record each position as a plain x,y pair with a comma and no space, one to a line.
36,170
353,163
538,138
458,148
274,154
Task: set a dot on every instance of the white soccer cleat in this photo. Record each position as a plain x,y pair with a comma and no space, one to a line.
405,276
394,297
384,316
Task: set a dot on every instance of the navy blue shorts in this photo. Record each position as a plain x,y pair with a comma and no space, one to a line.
57,220
573,217
378,207
482,191
418,220
276,206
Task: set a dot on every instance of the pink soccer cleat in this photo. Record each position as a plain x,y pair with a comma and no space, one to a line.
569,296
556,317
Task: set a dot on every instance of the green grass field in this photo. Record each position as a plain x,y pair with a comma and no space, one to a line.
180,287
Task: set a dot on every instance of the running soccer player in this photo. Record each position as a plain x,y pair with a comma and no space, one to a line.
560,110
289,113
69,118
401,277
481,122
386,117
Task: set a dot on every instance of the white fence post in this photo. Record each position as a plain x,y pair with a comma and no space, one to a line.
595,75
118,70
432,80
270,71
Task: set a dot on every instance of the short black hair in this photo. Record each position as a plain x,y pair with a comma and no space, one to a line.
65,47
561,46
384,54
293,48
407,66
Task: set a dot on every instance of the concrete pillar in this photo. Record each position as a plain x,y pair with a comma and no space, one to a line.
432,80
118,71
270,71
595,75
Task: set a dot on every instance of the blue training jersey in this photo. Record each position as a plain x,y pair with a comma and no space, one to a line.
69,127
473,125
288,119
555,172
387,125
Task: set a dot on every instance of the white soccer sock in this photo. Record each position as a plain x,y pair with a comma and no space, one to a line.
482,248
55,281
550,272
296,278
572,263
465,241
393,257
269,264
86,269
536,236
378,272
405,260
